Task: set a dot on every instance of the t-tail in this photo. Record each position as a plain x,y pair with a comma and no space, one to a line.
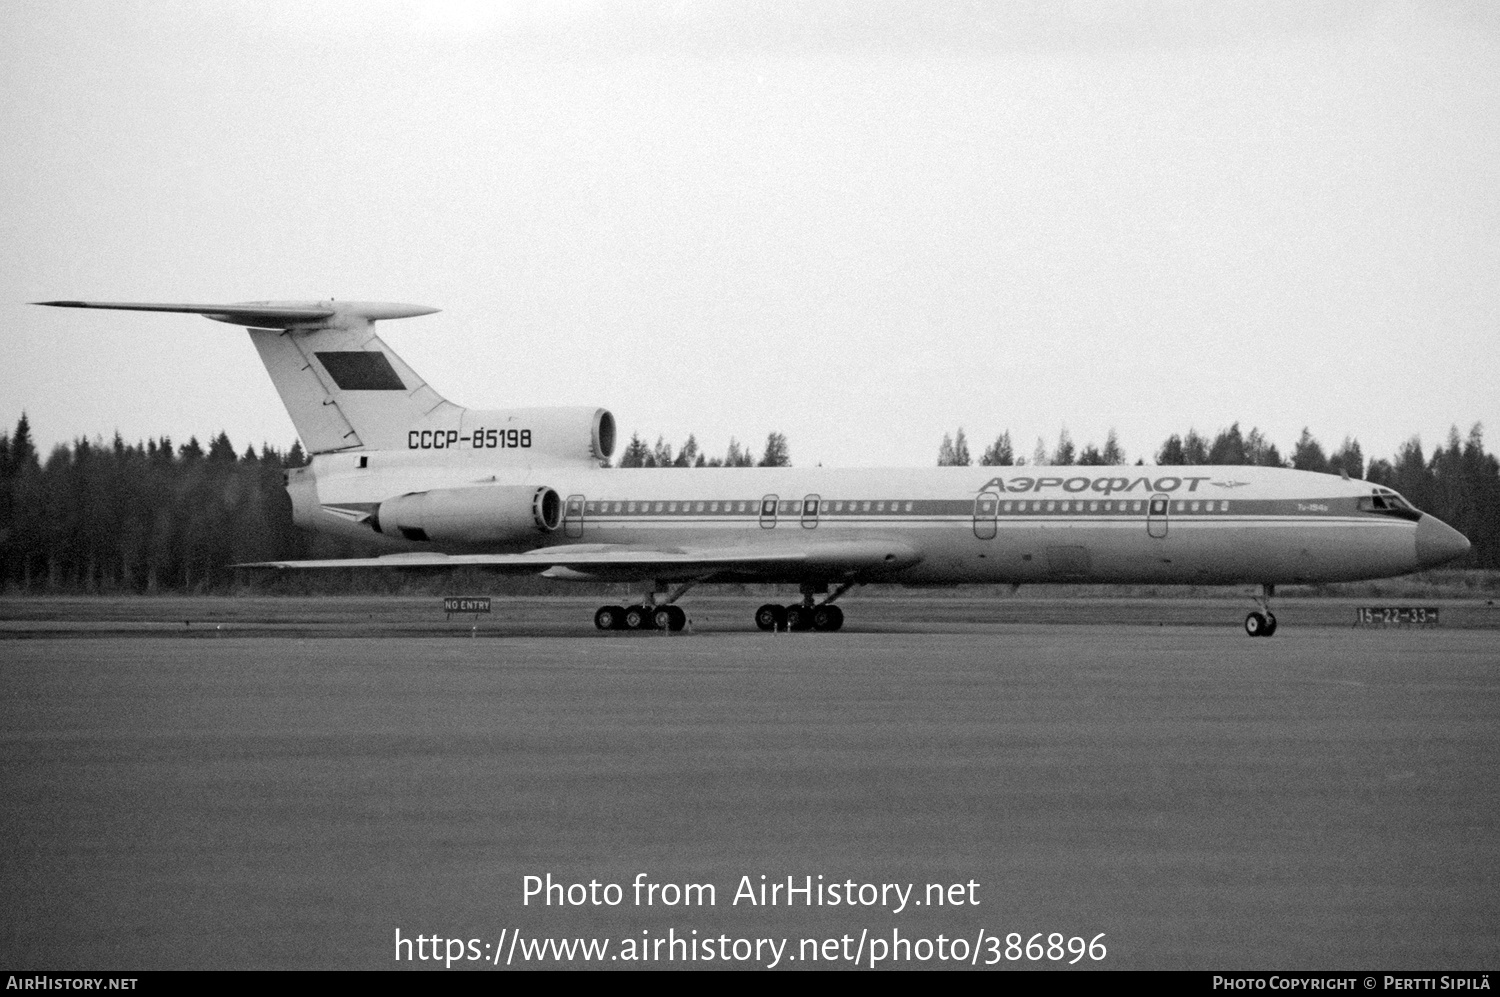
344,388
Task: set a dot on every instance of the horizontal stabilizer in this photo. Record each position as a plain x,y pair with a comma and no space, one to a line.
266,314
342,386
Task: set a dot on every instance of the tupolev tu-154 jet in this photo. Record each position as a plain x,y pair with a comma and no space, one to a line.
525,490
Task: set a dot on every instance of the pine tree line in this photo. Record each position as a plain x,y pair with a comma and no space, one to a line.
954,452
96,517
638,454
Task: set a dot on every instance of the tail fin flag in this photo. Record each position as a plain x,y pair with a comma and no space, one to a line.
344,388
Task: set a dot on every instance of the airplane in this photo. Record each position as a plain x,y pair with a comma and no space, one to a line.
528,490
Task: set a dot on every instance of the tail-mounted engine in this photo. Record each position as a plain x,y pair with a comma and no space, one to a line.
529,436
482,514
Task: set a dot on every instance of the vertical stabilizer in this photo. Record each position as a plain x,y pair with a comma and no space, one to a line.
344,387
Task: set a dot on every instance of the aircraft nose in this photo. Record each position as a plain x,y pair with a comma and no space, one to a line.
1438,542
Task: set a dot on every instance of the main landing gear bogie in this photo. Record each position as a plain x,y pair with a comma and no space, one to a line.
671,618
799,618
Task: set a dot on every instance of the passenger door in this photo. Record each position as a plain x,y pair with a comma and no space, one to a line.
810,506
573,517
768,506
1156,516
986,509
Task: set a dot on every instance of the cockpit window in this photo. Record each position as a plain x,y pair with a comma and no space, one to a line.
1387,502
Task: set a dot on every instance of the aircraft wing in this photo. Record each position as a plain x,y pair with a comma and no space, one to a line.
621,562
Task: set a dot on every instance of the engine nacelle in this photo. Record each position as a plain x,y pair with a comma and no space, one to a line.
570,434
480,514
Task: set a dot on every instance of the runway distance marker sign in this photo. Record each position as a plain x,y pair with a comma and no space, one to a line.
1396,616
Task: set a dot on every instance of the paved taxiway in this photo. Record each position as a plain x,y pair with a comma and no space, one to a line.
1326,798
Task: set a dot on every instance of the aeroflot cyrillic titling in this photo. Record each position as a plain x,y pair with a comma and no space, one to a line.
1105,486
762,891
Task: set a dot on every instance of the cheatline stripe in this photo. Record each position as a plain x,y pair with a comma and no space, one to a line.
1012,522
1013,517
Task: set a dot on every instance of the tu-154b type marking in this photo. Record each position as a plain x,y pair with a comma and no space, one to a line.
525,491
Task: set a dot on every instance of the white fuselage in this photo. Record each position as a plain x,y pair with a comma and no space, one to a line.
1144,524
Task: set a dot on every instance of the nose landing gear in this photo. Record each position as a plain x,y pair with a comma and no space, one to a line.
1262,624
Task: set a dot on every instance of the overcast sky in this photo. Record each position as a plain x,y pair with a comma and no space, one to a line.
860,224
